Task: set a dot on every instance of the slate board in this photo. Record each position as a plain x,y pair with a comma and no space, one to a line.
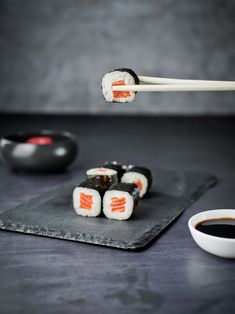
52,214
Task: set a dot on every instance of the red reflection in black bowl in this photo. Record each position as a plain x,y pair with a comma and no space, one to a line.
40,140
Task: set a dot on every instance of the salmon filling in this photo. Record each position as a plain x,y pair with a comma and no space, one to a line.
118,204
139,184
119,94
86,201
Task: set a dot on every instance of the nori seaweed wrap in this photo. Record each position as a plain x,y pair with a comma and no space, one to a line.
141,176
120,200
120,168
100,184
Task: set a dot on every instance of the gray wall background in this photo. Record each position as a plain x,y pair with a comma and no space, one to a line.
53,54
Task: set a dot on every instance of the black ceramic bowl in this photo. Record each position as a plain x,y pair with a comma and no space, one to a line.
20,155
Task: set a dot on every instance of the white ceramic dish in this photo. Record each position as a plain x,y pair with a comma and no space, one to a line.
219,246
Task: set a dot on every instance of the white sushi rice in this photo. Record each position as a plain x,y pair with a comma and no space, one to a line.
107,200
115,76
96,202
103,172
133,177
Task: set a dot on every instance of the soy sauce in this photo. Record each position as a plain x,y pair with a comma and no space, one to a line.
219,227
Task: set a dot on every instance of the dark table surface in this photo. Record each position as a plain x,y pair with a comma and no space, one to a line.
172,275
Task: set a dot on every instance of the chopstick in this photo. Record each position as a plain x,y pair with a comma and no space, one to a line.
229,86
174,85
161,80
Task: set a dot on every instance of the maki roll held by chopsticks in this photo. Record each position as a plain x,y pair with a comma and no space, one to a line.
119,77
121,85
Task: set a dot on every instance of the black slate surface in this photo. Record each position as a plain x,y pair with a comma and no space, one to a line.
52,214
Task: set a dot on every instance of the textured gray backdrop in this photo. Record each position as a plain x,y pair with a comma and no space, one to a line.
53,54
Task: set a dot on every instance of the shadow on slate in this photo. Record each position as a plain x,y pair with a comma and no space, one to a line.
52,214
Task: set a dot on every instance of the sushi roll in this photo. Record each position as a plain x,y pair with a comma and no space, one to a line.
123,76
103,172
87,197
120,200
141,176
121,169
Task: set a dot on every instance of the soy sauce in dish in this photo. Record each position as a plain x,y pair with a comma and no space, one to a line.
219,227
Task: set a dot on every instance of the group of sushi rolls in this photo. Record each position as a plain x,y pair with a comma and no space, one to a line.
113,189
123,76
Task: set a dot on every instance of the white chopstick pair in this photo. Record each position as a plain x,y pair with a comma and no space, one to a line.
158,84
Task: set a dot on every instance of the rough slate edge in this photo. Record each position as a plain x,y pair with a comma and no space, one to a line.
81,237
